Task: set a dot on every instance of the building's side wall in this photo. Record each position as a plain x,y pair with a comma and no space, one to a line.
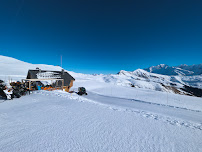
71,83
67,88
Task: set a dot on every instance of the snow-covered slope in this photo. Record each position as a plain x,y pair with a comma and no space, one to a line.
143,79
185,70
59,121
11,67
113,116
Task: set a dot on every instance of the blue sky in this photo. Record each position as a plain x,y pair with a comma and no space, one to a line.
102,36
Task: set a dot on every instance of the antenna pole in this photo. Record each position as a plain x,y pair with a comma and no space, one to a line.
61,61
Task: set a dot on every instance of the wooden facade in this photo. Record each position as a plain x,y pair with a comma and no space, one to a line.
63,79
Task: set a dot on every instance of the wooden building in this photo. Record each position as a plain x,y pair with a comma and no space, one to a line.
62,78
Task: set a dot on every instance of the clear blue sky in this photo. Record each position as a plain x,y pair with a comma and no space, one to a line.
102,36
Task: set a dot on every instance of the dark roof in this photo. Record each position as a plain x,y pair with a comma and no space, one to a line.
46,74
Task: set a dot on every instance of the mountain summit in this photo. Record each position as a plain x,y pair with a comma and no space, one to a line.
183,70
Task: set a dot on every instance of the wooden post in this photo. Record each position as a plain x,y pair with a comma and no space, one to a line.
29,85
62,84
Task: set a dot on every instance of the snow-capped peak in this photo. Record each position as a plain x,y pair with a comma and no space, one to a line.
141,73
162,65
182,69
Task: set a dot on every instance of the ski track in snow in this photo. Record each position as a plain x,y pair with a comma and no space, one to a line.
59,121
170,120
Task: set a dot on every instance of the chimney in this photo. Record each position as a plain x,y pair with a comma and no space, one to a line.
63,72
38,69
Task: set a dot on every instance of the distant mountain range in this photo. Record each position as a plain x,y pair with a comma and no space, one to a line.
179,84
182,70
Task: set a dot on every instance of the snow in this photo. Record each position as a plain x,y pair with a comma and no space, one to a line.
139,94
67,122
112,117
16,68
